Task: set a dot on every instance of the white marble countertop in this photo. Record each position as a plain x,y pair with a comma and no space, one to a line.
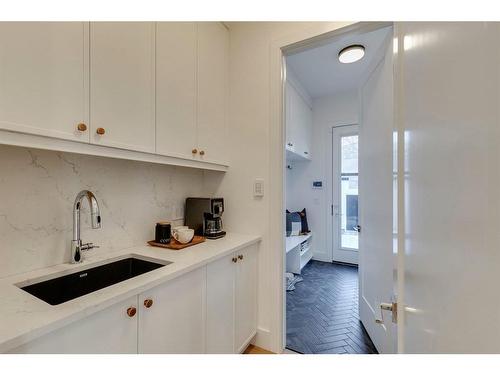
25,317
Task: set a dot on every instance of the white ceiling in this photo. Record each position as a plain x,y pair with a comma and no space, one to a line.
320,72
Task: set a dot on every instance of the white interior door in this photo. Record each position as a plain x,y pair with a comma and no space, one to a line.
376,257
345,194
452,135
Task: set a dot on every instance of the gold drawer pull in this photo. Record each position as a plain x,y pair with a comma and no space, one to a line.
100,131
82,127
148,303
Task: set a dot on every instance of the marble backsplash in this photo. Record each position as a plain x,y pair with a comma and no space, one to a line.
38,188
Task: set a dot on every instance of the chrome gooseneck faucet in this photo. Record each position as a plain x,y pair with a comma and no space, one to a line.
76,245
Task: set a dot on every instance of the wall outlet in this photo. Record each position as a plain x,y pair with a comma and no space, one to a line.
258,187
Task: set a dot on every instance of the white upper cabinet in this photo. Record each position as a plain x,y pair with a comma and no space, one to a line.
122,85
213,68
160,89
298,122
44,78
176,64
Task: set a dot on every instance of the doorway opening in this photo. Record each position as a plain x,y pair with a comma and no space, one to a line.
338,180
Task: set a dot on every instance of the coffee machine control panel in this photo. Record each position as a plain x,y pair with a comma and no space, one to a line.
217,207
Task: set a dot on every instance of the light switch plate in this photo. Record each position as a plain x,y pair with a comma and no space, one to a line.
258,187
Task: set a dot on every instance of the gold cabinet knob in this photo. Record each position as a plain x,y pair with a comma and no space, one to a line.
100,131
148,303
81,127
131,311
194,151
234,259
240,257
202,152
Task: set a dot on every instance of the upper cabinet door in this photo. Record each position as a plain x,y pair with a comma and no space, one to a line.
122,85
213,67
43,78
176,88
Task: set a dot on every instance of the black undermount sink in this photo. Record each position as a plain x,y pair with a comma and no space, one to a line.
65,288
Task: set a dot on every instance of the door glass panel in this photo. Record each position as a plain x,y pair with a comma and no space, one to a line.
349,192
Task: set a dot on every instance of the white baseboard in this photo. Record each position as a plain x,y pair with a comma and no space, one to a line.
321,257
264,340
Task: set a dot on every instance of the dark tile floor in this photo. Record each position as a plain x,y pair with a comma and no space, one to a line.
322,312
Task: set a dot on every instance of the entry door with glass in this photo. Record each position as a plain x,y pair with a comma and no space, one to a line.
345,194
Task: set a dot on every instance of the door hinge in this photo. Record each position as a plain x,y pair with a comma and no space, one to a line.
331,206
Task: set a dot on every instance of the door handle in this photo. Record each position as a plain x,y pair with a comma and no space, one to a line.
357,228
392,307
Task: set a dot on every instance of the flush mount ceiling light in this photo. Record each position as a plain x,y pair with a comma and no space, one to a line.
351,53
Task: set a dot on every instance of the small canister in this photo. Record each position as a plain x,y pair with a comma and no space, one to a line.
163,232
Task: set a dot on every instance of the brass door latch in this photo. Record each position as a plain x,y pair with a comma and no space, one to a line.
392,307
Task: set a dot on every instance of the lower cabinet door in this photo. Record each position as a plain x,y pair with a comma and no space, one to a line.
220,305
111,331
245,297
172,316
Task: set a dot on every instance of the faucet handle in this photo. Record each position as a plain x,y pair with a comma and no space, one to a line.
88,246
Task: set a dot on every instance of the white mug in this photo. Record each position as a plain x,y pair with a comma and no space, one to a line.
179,227
183,235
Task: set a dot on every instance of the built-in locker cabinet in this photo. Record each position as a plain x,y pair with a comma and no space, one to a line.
245,297
213,68
110,331
175,320
44,79
122,85
176,95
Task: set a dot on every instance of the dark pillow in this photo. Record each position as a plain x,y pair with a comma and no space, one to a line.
293,224
303,219
304,227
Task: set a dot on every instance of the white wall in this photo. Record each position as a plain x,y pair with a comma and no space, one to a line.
328,111
38,189
249,123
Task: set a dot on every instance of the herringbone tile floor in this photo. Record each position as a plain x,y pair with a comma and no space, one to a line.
322,312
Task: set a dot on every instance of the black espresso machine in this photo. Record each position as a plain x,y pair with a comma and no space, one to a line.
204,215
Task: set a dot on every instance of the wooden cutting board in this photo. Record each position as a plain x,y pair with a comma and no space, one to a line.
175,245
